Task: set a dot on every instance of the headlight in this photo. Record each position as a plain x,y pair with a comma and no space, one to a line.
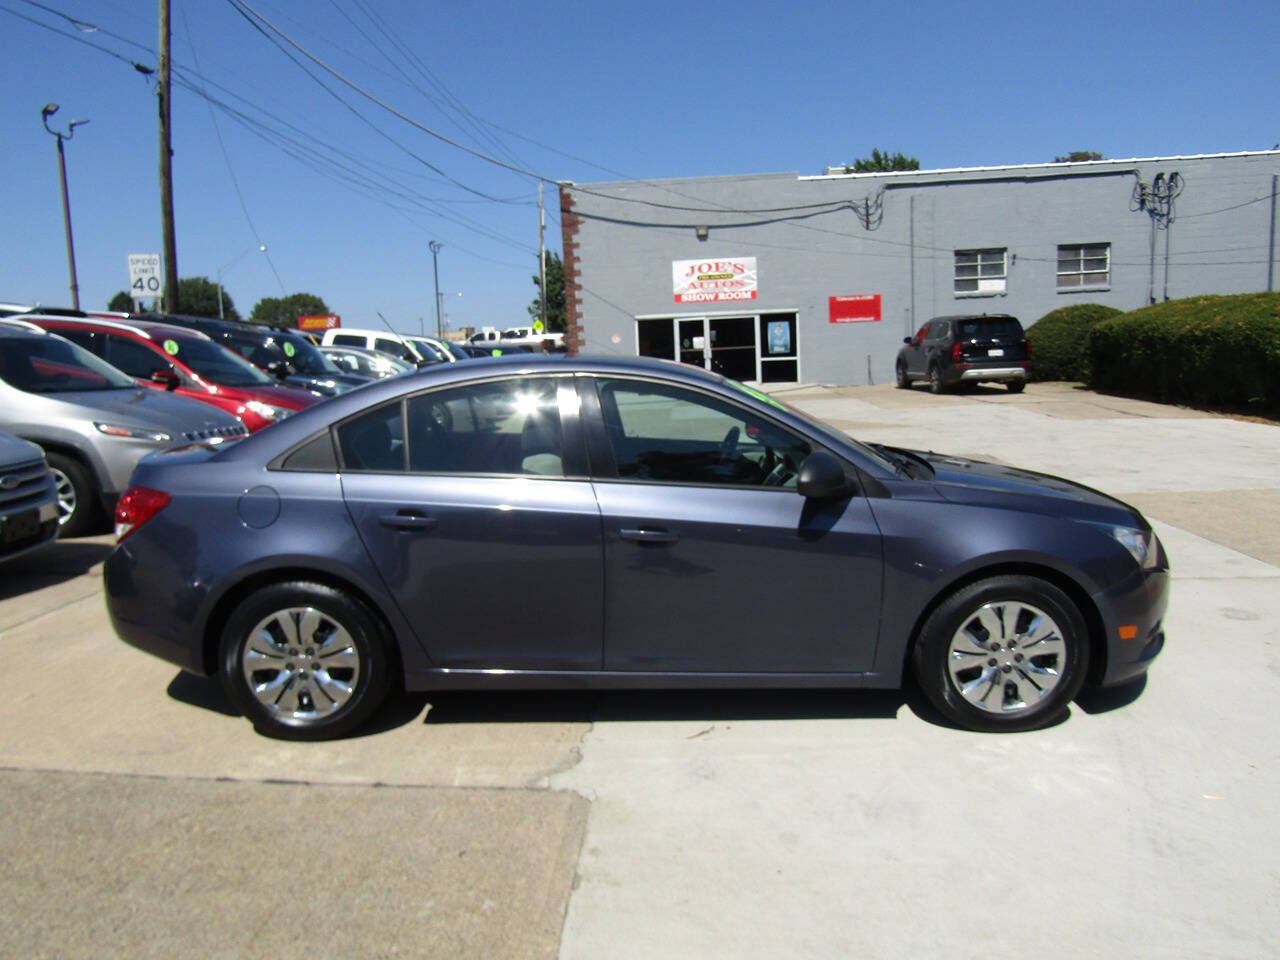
1141,545
133,433
266,410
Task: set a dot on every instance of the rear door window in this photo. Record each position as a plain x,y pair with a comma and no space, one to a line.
994,327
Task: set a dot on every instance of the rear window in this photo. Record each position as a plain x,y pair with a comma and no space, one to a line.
988,327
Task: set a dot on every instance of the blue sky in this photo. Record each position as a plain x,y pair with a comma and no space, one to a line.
577,91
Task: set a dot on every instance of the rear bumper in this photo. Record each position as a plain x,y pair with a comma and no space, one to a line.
993,373
141,621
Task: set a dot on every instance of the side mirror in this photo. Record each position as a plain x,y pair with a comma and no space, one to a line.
278,369
908,341
822,477
166,377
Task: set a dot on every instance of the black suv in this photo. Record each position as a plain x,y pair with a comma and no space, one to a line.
966,349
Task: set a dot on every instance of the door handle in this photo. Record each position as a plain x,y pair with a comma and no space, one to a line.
648,536
406,520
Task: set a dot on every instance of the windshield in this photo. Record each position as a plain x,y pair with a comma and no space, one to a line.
988,327
428,350
52,365
814,423
456,350
214,363
305,357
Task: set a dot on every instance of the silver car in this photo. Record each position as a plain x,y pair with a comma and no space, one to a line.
28,501
94,422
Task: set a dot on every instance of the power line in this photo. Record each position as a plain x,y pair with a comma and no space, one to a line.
255,18
195,59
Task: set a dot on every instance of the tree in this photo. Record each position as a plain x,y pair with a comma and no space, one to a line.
557,319
285,311
199,298
121,302
882,163
1075,156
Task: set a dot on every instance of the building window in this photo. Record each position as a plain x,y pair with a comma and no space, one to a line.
981,273
1084,265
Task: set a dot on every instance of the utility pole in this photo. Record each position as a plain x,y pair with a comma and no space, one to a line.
166,166
542,261
435,246
49,110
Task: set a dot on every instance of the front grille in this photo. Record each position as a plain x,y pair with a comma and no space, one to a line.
23,486
217,433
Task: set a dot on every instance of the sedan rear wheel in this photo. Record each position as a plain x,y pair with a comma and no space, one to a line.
1007,653
305,661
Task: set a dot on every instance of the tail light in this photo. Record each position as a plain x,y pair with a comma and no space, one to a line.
955,352
136,506
1027,344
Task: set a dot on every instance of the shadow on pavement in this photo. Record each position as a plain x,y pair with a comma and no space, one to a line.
1094,700
589,706
60,561
203,692
442,708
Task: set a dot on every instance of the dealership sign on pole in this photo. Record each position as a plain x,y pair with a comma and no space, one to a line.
144,276
318,322
711,281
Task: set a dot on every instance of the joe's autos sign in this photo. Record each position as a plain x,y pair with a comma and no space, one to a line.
708,281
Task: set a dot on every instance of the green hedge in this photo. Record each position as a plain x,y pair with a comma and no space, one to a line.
1216,351
1059,341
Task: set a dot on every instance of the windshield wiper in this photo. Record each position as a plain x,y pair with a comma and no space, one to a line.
906,459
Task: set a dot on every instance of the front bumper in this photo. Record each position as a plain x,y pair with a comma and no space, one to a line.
1133,615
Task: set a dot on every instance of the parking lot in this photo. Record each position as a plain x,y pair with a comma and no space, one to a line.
141,818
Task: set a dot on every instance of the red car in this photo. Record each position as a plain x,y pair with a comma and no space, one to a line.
186,362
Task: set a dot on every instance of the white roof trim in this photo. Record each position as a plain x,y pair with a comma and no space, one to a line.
1041,166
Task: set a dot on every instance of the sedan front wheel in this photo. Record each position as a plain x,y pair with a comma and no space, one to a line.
304,661
1006,653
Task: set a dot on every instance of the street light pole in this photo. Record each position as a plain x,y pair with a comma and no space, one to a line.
435,246
49,110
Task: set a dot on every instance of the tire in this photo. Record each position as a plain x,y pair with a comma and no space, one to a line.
935,379
1016,386
1005,689
77,495
293,634
904,382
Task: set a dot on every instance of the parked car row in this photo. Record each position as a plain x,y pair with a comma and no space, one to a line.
93,421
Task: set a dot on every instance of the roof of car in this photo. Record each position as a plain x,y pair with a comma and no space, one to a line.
145,328
976,316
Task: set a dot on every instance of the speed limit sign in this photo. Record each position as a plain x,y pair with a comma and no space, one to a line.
144,276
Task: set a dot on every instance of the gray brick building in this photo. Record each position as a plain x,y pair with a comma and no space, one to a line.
782,278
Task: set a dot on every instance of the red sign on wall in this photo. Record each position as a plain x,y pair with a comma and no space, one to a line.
854,308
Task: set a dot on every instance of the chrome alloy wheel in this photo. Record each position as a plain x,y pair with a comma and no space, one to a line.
301,664
1007,657
66,495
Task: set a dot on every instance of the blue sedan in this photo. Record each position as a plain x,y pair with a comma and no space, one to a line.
676,529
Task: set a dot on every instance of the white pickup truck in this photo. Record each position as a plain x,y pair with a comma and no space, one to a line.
486,336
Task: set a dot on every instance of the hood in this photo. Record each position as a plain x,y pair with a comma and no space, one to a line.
277,394
148,408
16,450
975,481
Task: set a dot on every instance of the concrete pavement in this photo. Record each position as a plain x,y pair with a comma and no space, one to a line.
140,818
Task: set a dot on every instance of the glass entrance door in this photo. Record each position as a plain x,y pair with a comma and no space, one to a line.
692,338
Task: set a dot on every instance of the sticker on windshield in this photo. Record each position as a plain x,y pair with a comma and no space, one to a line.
495,352
762,397
171,347
289,349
